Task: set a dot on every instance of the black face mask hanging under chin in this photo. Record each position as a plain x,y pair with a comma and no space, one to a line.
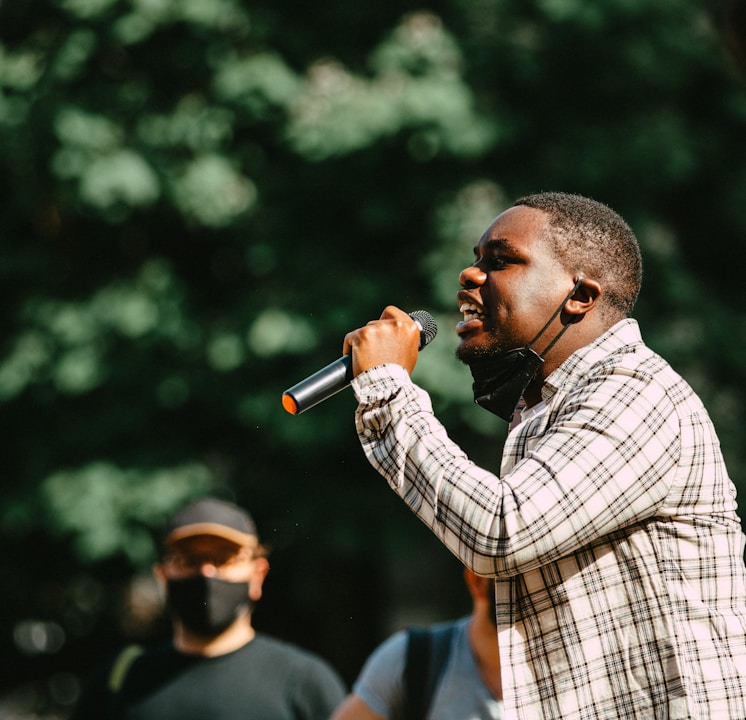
500,380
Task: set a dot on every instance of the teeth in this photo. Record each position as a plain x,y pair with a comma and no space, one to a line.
470,311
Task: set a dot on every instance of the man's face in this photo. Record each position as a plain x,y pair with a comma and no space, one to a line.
513,287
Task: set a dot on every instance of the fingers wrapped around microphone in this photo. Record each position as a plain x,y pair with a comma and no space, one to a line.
393,338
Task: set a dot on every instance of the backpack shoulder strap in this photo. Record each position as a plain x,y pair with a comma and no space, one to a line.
118,674
427,653
121,666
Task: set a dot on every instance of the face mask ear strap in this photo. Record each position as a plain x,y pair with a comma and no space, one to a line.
554,315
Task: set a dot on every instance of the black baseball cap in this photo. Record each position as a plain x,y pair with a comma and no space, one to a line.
210,516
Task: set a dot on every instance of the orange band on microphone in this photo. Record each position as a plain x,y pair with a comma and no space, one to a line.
288,402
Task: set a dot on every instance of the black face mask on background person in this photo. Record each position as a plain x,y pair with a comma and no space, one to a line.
500,379
207,605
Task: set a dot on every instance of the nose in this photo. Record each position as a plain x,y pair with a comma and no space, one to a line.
208,569
471,277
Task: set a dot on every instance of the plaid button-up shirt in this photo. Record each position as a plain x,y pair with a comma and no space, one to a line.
612,534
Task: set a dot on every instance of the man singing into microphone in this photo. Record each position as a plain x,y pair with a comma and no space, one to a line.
611,530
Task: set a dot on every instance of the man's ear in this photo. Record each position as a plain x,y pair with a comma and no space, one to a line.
586,295
258,575
160,575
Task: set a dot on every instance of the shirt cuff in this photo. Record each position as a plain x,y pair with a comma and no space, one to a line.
378,383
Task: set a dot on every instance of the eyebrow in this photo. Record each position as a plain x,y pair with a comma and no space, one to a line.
502,244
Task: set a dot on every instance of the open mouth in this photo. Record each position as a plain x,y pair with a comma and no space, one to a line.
471,312
474,318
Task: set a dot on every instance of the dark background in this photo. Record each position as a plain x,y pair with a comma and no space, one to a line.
200,199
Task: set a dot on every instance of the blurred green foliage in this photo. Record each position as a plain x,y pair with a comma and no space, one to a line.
201,198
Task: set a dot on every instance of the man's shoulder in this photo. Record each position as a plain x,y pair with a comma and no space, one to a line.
625,356
619,352
392,652
269,649
277,646
262,649
295,666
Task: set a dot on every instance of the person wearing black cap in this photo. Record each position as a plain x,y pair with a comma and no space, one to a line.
216,665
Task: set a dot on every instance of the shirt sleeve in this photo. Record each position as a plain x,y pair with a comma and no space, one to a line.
606,460
380,683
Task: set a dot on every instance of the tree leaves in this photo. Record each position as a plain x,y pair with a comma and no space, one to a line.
201,198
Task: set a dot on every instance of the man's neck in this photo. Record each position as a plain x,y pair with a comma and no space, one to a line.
483,641
232,638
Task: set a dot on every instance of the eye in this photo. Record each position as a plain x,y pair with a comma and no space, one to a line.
495,262
495,254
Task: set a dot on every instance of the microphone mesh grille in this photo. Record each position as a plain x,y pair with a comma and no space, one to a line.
428,326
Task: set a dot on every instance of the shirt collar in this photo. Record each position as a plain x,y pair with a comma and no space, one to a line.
624,334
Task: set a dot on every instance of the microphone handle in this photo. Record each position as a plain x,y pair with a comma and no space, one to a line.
338,375
321,385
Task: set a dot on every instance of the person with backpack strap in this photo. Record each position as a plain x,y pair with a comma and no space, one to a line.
449,671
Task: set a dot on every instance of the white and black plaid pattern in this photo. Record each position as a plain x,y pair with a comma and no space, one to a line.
612,534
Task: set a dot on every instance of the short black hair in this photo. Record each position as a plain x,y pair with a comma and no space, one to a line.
589,237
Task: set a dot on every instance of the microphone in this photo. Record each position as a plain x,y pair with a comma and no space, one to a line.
337,375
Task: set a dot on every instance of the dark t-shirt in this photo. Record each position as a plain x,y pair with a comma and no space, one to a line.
266,679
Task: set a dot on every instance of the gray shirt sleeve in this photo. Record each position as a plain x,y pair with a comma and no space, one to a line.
460,693
380,683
